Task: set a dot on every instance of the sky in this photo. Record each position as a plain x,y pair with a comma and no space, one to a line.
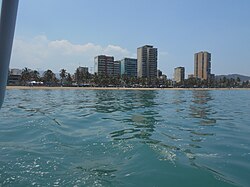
56,34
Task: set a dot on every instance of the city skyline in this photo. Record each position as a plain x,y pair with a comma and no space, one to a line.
46,38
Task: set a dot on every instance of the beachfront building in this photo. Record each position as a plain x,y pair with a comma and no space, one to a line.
129,67
117,68
104,65
202,65
14,76
83,70
179,74
147,62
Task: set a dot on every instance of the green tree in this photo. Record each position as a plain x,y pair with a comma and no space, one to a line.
69,79
25,75
63,74
49,77
35,75
78,76
95,79
191,82
247,84
238,81
223,82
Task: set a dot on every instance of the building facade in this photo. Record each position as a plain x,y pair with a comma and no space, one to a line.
117,68
202,65
105,65
83,70
179,74
129,67
14,76
147,62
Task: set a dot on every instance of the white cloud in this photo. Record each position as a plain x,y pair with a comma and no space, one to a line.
42,54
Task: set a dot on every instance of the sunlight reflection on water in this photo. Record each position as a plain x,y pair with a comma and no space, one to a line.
116,138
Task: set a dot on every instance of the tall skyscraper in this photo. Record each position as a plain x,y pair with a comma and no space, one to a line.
147,61
129,67
179,74
202,65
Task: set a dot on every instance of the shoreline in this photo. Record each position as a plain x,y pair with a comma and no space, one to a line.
110,88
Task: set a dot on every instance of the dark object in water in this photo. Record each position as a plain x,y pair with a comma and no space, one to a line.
7,29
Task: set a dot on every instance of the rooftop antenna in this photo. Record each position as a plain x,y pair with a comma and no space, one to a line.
7,29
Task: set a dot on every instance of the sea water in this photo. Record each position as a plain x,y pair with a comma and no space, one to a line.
125,138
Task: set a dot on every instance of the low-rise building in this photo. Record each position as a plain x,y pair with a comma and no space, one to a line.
83,70
14,76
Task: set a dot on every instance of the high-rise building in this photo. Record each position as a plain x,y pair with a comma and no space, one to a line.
129,67
202,65
147,61
117,68
104,65
179,74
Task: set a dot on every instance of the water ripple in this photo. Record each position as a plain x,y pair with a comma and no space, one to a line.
124,138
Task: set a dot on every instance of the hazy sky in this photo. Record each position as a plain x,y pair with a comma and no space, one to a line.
55,34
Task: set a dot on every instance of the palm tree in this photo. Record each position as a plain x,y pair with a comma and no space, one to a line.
49,77
69,79
35,75
238,81
25,75
224,81
247,84
78,76
63,75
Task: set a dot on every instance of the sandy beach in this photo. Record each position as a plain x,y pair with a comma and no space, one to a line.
110,88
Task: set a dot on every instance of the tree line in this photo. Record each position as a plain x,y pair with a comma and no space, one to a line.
215,83
47,78
79,78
